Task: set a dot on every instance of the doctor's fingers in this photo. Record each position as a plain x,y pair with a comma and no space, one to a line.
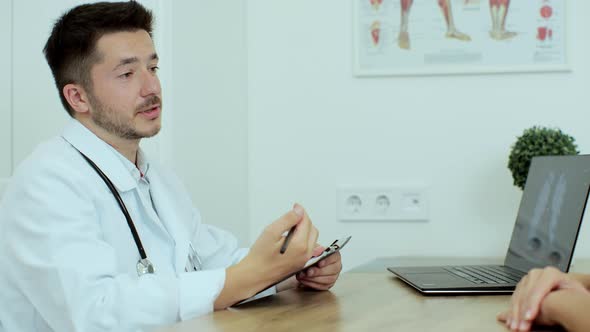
332,265
317,285
332,259
317,250
311,240
302,235
285,222
321,279
313,272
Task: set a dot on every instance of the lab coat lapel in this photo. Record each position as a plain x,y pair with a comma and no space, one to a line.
106,159
173,216
155,217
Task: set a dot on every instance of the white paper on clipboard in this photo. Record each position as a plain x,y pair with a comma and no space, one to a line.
333,248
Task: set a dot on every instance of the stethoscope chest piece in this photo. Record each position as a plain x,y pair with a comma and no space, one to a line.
144,266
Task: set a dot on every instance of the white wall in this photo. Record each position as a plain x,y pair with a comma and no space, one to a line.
313,126
5,93
209,114
37,112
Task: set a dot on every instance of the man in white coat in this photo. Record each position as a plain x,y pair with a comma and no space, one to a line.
73,255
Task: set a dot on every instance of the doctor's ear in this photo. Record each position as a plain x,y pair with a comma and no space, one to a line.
76,97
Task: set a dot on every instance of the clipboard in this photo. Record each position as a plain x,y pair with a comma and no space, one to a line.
333,248
330,250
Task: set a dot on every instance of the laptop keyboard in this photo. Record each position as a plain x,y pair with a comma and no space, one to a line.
487,274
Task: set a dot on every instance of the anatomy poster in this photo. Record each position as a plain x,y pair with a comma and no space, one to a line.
407,37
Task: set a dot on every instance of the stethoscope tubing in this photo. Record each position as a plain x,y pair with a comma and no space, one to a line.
130,223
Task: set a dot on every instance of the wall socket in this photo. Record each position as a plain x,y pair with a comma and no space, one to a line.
383,203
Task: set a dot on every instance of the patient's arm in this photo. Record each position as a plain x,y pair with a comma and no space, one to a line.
584,279
568,308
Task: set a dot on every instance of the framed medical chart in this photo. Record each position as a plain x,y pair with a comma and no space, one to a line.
423,37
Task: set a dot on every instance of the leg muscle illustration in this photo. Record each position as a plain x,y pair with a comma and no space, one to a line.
403,39
498,11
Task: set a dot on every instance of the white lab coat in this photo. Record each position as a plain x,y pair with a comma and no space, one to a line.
68,259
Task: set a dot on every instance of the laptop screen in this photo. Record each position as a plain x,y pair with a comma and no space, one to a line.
550,213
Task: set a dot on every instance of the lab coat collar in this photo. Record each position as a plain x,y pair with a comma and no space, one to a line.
101,153
136,171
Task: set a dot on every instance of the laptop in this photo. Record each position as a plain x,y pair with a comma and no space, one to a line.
545,233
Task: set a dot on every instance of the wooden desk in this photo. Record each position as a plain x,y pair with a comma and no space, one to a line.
363,300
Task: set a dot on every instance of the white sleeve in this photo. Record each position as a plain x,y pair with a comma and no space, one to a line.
219,249
69,273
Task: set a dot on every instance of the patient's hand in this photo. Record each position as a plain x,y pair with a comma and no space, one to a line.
527,301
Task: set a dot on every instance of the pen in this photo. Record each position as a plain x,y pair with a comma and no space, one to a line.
287,238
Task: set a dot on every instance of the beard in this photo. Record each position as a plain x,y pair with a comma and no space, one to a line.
111,121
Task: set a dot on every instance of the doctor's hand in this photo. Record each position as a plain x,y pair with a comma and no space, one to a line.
265,253
323,275
328,269
265,265
526,304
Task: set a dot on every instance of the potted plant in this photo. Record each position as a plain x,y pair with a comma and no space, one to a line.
537,141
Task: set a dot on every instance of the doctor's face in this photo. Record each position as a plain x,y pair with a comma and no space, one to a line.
125,96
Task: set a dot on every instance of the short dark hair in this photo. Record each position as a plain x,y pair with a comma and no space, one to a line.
71,48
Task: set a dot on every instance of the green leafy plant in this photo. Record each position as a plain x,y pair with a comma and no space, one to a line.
537,141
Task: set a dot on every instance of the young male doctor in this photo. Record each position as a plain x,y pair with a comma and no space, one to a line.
94,236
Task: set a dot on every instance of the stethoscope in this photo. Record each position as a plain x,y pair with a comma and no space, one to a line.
144,266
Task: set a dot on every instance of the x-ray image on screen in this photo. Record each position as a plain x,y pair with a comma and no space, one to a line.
551,210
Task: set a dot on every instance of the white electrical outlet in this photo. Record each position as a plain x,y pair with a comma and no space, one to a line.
414,204
382,203
352,204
